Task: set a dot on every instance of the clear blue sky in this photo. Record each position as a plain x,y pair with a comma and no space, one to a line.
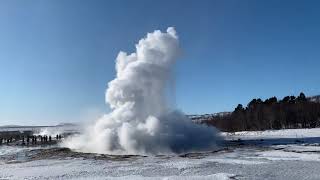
57,56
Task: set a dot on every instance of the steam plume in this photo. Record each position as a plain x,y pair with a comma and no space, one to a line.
141,121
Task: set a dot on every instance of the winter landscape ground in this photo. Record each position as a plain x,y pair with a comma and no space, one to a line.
278,154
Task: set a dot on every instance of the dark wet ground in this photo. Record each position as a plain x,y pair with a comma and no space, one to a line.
51,150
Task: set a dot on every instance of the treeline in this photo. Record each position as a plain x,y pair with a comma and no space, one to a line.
290,112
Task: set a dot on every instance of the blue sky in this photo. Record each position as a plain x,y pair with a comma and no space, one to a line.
57,56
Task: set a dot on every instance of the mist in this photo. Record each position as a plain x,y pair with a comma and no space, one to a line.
142,119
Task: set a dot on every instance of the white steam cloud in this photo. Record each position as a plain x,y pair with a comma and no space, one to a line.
141,121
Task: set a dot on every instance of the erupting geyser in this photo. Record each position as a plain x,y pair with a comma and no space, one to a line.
141,122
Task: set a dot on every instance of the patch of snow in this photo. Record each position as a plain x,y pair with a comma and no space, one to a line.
236,161
300,147
12,150
218,176
274,155
269,134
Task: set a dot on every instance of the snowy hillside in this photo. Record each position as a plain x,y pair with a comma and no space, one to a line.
314,99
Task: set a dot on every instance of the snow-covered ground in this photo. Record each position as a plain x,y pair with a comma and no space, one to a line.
272,134
241,159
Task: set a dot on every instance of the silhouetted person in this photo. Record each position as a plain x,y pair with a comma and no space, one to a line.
57,137
8,140
23,140
50,139
28,139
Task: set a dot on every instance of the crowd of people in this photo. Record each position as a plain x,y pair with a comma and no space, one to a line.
26,140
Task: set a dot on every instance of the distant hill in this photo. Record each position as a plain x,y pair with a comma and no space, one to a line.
314,98
67,124
198,118
39,126
10,126
18,126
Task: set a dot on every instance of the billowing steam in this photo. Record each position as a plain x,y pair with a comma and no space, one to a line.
141,121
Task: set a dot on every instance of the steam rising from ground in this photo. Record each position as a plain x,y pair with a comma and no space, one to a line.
141,121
